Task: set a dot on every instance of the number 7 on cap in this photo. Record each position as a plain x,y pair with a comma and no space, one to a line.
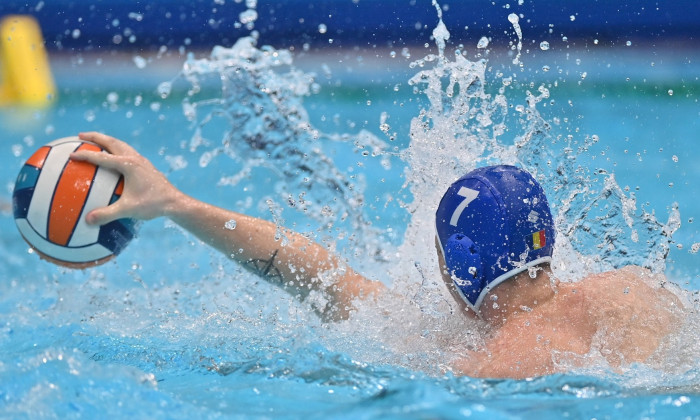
469,196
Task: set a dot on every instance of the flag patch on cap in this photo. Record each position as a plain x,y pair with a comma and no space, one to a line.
537,240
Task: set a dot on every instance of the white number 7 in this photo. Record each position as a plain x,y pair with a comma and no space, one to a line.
469,196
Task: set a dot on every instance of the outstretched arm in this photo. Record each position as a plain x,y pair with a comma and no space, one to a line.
300,265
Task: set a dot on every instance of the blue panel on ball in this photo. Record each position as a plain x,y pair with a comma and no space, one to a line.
116,235
27,177
20,202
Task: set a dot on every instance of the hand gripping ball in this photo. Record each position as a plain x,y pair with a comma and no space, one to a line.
53,194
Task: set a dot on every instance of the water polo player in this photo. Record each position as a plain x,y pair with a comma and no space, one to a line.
495,238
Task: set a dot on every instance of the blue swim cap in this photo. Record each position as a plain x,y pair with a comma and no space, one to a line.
492,224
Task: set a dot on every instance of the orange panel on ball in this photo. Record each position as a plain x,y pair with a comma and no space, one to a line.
72,188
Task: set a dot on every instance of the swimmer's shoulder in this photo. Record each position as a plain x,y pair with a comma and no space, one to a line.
626,292
625,283
634,309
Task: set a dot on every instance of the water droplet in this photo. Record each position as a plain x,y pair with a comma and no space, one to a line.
322,28
670,92
514,19
248,17
595,41
572,18
628,43
140,62
17,150
674,158
112,98
483,42
544,45
76,33
230,225
164,89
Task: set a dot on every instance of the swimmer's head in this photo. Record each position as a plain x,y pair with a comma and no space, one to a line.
492,224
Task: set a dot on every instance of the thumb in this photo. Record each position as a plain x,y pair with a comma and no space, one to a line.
104,215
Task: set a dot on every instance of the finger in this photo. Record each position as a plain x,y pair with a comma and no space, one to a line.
104,215
111,144
100,159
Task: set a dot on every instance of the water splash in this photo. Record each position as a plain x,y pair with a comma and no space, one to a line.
440,33
465,126
515,21
608,223
259,115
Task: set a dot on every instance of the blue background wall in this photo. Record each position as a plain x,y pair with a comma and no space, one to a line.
110,23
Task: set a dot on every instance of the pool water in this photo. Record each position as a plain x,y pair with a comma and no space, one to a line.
170,329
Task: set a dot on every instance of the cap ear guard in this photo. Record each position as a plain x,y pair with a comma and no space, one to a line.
464,262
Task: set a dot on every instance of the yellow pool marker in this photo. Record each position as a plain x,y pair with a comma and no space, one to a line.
25,74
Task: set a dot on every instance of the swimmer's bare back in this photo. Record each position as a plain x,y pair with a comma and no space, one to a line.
622,316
